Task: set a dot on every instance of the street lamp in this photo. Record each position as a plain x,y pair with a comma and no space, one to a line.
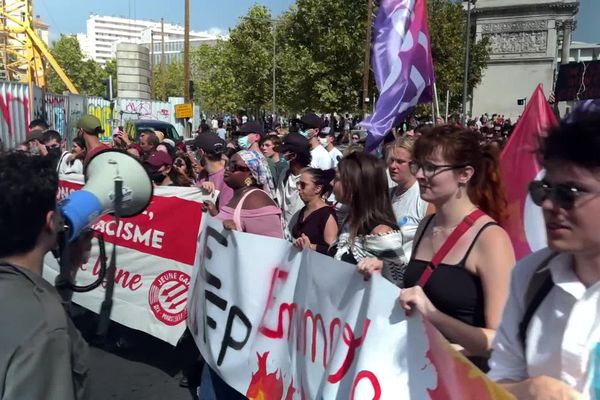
466,70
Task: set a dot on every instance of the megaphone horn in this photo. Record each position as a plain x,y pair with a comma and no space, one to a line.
97,197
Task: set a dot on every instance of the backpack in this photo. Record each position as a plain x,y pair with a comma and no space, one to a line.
538,288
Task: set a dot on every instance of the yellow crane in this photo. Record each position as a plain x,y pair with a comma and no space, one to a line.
23,55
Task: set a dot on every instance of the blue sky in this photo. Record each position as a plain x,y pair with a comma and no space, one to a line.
69,16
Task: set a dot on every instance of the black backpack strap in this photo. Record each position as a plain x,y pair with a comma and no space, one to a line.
539,286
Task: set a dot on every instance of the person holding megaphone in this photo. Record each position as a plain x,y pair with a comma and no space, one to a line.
42,354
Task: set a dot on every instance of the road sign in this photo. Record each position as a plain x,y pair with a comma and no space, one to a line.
184,110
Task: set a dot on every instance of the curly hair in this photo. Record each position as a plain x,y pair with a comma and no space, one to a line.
28,186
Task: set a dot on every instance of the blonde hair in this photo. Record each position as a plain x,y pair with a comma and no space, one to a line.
405,142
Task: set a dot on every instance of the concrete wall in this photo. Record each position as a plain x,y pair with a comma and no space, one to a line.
501,87
133,71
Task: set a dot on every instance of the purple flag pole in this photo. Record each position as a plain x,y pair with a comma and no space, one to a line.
402,65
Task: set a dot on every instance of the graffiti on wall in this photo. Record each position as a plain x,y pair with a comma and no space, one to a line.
104,114
56,113
144,109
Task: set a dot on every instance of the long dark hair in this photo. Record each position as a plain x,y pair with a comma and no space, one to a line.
365,186
461,147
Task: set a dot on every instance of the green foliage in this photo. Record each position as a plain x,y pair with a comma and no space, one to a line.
169,85
447,31
214,80
86,75
327,39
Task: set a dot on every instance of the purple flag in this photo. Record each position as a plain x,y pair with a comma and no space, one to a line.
401,63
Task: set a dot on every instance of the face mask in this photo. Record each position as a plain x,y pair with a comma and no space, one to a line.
157,177
305,133
34,151
55,152
243,143
324,142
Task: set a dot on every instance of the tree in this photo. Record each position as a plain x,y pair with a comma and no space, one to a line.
173,87
213,77
86,75
447,33
325,40
250,56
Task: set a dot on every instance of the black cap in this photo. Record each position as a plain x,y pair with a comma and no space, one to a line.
251,127
312,120
295,143
209,142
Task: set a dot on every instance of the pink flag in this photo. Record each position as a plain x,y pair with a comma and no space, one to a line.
519,166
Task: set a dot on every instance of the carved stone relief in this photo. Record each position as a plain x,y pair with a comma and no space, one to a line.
520,26
518,42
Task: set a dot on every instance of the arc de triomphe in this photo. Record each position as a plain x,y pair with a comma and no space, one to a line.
525,38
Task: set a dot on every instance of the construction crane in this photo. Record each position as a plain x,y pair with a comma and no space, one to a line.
23,55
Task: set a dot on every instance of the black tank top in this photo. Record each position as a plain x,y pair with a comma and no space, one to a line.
452,289
314,227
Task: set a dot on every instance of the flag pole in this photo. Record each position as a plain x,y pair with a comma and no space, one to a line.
367,66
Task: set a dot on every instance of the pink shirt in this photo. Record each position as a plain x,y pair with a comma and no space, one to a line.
218,179
265,221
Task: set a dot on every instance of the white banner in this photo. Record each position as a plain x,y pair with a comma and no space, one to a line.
155,256
279,324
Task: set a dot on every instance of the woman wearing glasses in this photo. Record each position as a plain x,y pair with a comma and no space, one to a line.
458,274
547,343
252,208
316,227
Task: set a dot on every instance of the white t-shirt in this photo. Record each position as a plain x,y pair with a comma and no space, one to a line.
321,158
409,210
563,335
66,167
222,132
336,156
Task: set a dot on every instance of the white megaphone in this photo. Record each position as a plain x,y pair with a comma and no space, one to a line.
105,173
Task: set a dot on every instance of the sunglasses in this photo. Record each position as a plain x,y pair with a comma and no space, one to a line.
233,167
564,196
430,170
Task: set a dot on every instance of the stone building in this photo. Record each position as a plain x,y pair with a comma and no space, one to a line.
525,39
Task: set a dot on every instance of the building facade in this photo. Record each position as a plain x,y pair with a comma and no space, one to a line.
105,32
525,37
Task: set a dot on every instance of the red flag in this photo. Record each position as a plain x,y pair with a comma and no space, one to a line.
519,166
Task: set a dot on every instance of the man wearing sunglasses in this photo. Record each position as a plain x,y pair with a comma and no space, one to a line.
548,343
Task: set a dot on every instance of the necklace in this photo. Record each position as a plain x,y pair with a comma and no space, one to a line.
440,229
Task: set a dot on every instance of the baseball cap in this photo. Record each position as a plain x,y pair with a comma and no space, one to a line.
251,127
295,143
312,120
35,134
209,142
158,159
90,124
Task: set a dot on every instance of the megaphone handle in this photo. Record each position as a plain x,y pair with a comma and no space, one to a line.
106,307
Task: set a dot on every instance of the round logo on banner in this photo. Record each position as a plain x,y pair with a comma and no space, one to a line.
168,296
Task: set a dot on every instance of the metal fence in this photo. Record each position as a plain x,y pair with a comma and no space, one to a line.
18,107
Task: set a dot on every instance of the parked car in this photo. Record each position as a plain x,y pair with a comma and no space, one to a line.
135,127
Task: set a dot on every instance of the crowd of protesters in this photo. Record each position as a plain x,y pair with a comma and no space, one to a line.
426,213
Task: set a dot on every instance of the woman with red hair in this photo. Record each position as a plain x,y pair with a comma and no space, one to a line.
459,272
